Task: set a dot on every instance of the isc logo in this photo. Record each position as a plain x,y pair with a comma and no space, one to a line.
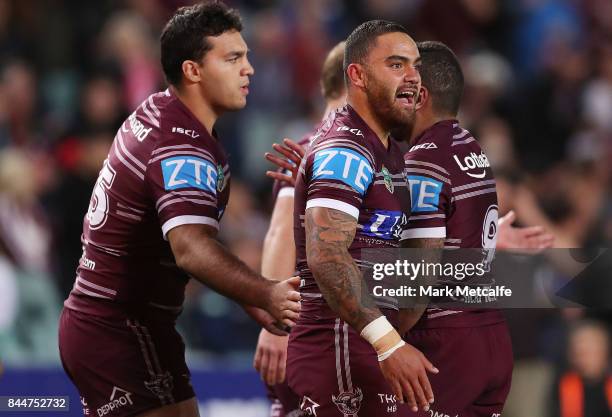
344,165
424,193
189,171
354,131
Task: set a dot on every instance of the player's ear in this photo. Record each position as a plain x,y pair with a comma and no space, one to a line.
422,98
356,75
191,71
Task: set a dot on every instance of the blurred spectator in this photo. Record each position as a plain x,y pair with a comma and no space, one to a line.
585,389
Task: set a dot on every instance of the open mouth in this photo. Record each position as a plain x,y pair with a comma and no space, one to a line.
245,89
406,97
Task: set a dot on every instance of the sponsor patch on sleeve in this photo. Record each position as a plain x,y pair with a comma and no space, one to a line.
189,172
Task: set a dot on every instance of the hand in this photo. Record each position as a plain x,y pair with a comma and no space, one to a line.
283,302
532,239
405,370
266,320
271,357
293,153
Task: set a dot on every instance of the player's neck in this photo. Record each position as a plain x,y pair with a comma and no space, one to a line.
364,111
198,106
425,121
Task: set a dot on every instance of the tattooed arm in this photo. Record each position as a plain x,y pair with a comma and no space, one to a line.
329,234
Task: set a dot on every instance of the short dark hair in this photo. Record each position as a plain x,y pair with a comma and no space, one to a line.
441,74
332,73
360,41
184,36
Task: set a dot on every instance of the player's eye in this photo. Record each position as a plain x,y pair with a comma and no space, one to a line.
234,59
396,65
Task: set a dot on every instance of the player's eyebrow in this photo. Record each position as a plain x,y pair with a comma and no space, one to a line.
236,54
403,59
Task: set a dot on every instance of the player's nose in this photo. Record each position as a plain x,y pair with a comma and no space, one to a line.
412,74
248,69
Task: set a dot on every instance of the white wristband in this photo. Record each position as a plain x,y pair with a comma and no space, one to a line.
376,329
388,353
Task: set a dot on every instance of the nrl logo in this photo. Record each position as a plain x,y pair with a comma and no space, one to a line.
348,402
388,179
220,178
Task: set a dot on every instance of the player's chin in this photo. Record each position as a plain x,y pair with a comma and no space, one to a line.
238,104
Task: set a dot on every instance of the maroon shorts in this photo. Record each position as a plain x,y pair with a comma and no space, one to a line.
475,366
285,403
333,370
123,367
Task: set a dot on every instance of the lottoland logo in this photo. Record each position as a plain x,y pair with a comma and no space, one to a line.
473,161
116,401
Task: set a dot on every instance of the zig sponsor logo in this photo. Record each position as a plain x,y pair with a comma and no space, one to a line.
119,398
473,161
427,145
187,132
354,131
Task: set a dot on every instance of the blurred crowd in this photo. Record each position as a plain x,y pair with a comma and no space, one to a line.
538,98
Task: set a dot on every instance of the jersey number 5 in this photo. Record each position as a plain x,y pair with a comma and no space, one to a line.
98,206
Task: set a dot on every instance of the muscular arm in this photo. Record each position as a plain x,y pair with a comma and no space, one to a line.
329,234
198,253
278,256
409,316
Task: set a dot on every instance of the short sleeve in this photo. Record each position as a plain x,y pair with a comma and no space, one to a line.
340,173
183,179
430,193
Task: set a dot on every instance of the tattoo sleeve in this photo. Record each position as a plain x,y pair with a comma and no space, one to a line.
329,234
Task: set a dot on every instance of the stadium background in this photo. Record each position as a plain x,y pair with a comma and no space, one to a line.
538,96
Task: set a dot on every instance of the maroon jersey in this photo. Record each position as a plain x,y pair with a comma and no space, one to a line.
163,170
347,168
453,197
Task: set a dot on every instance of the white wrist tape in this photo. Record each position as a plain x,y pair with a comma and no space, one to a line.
388,353
376,329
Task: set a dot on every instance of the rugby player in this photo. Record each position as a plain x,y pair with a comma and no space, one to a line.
152,224
532,238
278,258
344,355
454,205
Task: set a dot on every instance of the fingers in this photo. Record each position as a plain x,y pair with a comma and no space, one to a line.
288,153
281,177
270,375
297,148
509,218
419,394
275,329
280,162
294,282
288,323
428,365
265,363
257,358
282,367
291,315
424,382
408,396
294,296
397,390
